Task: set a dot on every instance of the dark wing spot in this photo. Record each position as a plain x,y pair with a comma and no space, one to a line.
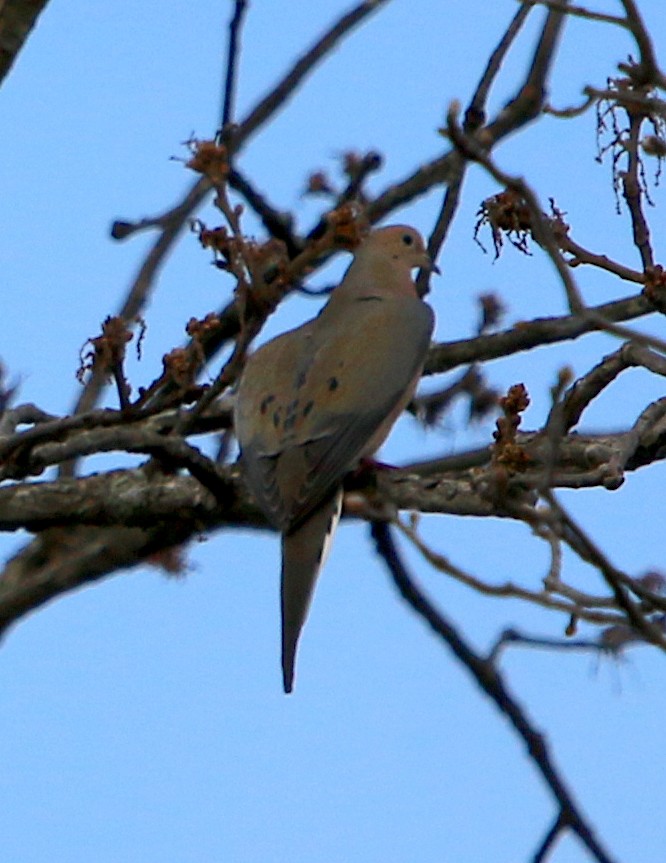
300,380
277,418
290,415
333,384
265,402
308,407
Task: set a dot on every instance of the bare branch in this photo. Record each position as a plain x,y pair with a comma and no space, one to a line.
633,195
490,681
585,606
475,113
530,334
597,379
586,645
578,11
584,256
583,545
138,295
650,73
474,118
529,100
539,225
17,18
278,224
549,840
285,88
233,51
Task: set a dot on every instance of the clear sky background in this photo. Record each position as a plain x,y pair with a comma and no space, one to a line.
143,719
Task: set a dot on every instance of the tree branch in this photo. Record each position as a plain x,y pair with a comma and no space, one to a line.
491,682
17,18
233,51
531,334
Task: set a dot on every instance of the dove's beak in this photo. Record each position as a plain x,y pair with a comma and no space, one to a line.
426,263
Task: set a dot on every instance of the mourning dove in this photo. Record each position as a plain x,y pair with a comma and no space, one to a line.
316,400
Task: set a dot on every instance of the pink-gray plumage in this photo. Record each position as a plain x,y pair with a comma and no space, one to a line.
317,399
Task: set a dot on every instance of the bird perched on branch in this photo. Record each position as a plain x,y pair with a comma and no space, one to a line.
316,400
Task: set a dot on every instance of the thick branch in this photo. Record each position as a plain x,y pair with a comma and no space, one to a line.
116,520
531,334
453,486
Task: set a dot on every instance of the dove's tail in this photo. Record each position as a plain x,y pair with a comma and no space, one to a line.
304,551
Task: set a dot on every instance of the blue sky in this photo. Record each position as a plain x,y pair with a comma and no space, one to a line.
143,719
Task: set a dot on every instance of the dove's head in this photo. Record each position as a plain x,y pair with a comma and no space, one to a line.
399,245
384,262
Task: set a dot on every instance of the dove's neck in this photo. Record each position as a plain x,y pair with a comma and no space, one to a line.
377,275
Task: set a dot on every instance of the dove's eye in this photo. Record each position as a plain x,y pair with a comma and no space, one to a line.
407,239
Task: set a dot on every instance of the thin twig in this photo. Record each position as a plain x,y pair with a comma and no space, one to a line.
285,88
278,224
602,262
529,100
233,53
235,139
475,113
144,281
549,840
649,106
474,118
580,604
513,637
650,71
584,546
578,11
540,227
